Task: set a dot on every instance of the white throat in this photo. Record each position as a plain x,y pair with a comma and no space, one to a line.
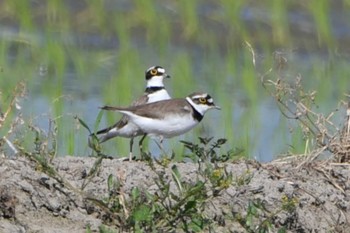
158,95
156,81
200,108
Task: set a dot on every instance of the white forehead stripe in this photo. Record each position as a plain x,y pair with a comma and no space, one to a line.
200,96
151,68
210,100
161,70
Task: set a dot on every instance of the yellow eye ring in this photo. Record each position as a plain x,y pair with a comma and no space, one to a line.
202,100
153,71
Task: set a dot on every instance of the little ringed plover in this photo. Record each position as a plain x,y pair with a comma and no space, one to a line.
155,91
168,118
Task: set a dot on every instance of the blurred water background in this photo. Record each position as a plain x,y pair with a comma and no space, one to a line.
75,56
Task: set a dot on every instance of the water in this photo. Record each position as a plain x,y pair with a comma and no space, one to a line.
105,65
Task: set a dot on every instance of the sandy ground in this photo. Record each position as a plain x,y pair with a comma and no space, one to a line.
31,201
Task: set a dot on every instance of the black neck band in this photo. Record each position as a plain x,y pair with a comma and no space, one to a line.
150,90
196,115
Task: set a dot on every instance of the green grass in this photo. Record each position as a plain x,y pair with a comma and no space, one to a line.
200,43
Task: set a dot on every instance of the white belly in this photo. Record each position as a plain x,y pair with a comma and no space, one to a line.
127,131
158,95
168,127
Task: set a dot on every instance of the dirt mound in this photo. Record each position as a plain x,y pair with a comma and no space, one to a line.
314,197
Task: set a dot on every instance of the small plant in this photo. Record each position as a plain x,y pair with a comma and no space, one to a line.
244,178
205,151
259,219
8,124
45,145
320,131
177,204
93,140
255,210
95,145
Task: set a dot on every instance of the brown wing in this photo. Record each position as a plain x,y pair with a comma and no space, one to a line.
124,120
142,100
157,109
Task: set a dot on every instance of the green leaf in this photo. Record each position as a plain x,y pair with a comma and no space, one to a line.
135,193
98,120
196,225
196,189
249,220
190,205
205,141
112,183
88,229
186,143
189,145
177,177
83,123
105,229
221,141
142,213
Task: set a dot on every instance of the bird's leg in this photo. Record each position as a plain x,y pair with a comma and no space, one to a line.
160,145
140,144
130,148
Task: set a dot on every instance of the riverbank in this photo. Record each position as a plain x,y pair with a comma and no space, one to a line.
299,197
